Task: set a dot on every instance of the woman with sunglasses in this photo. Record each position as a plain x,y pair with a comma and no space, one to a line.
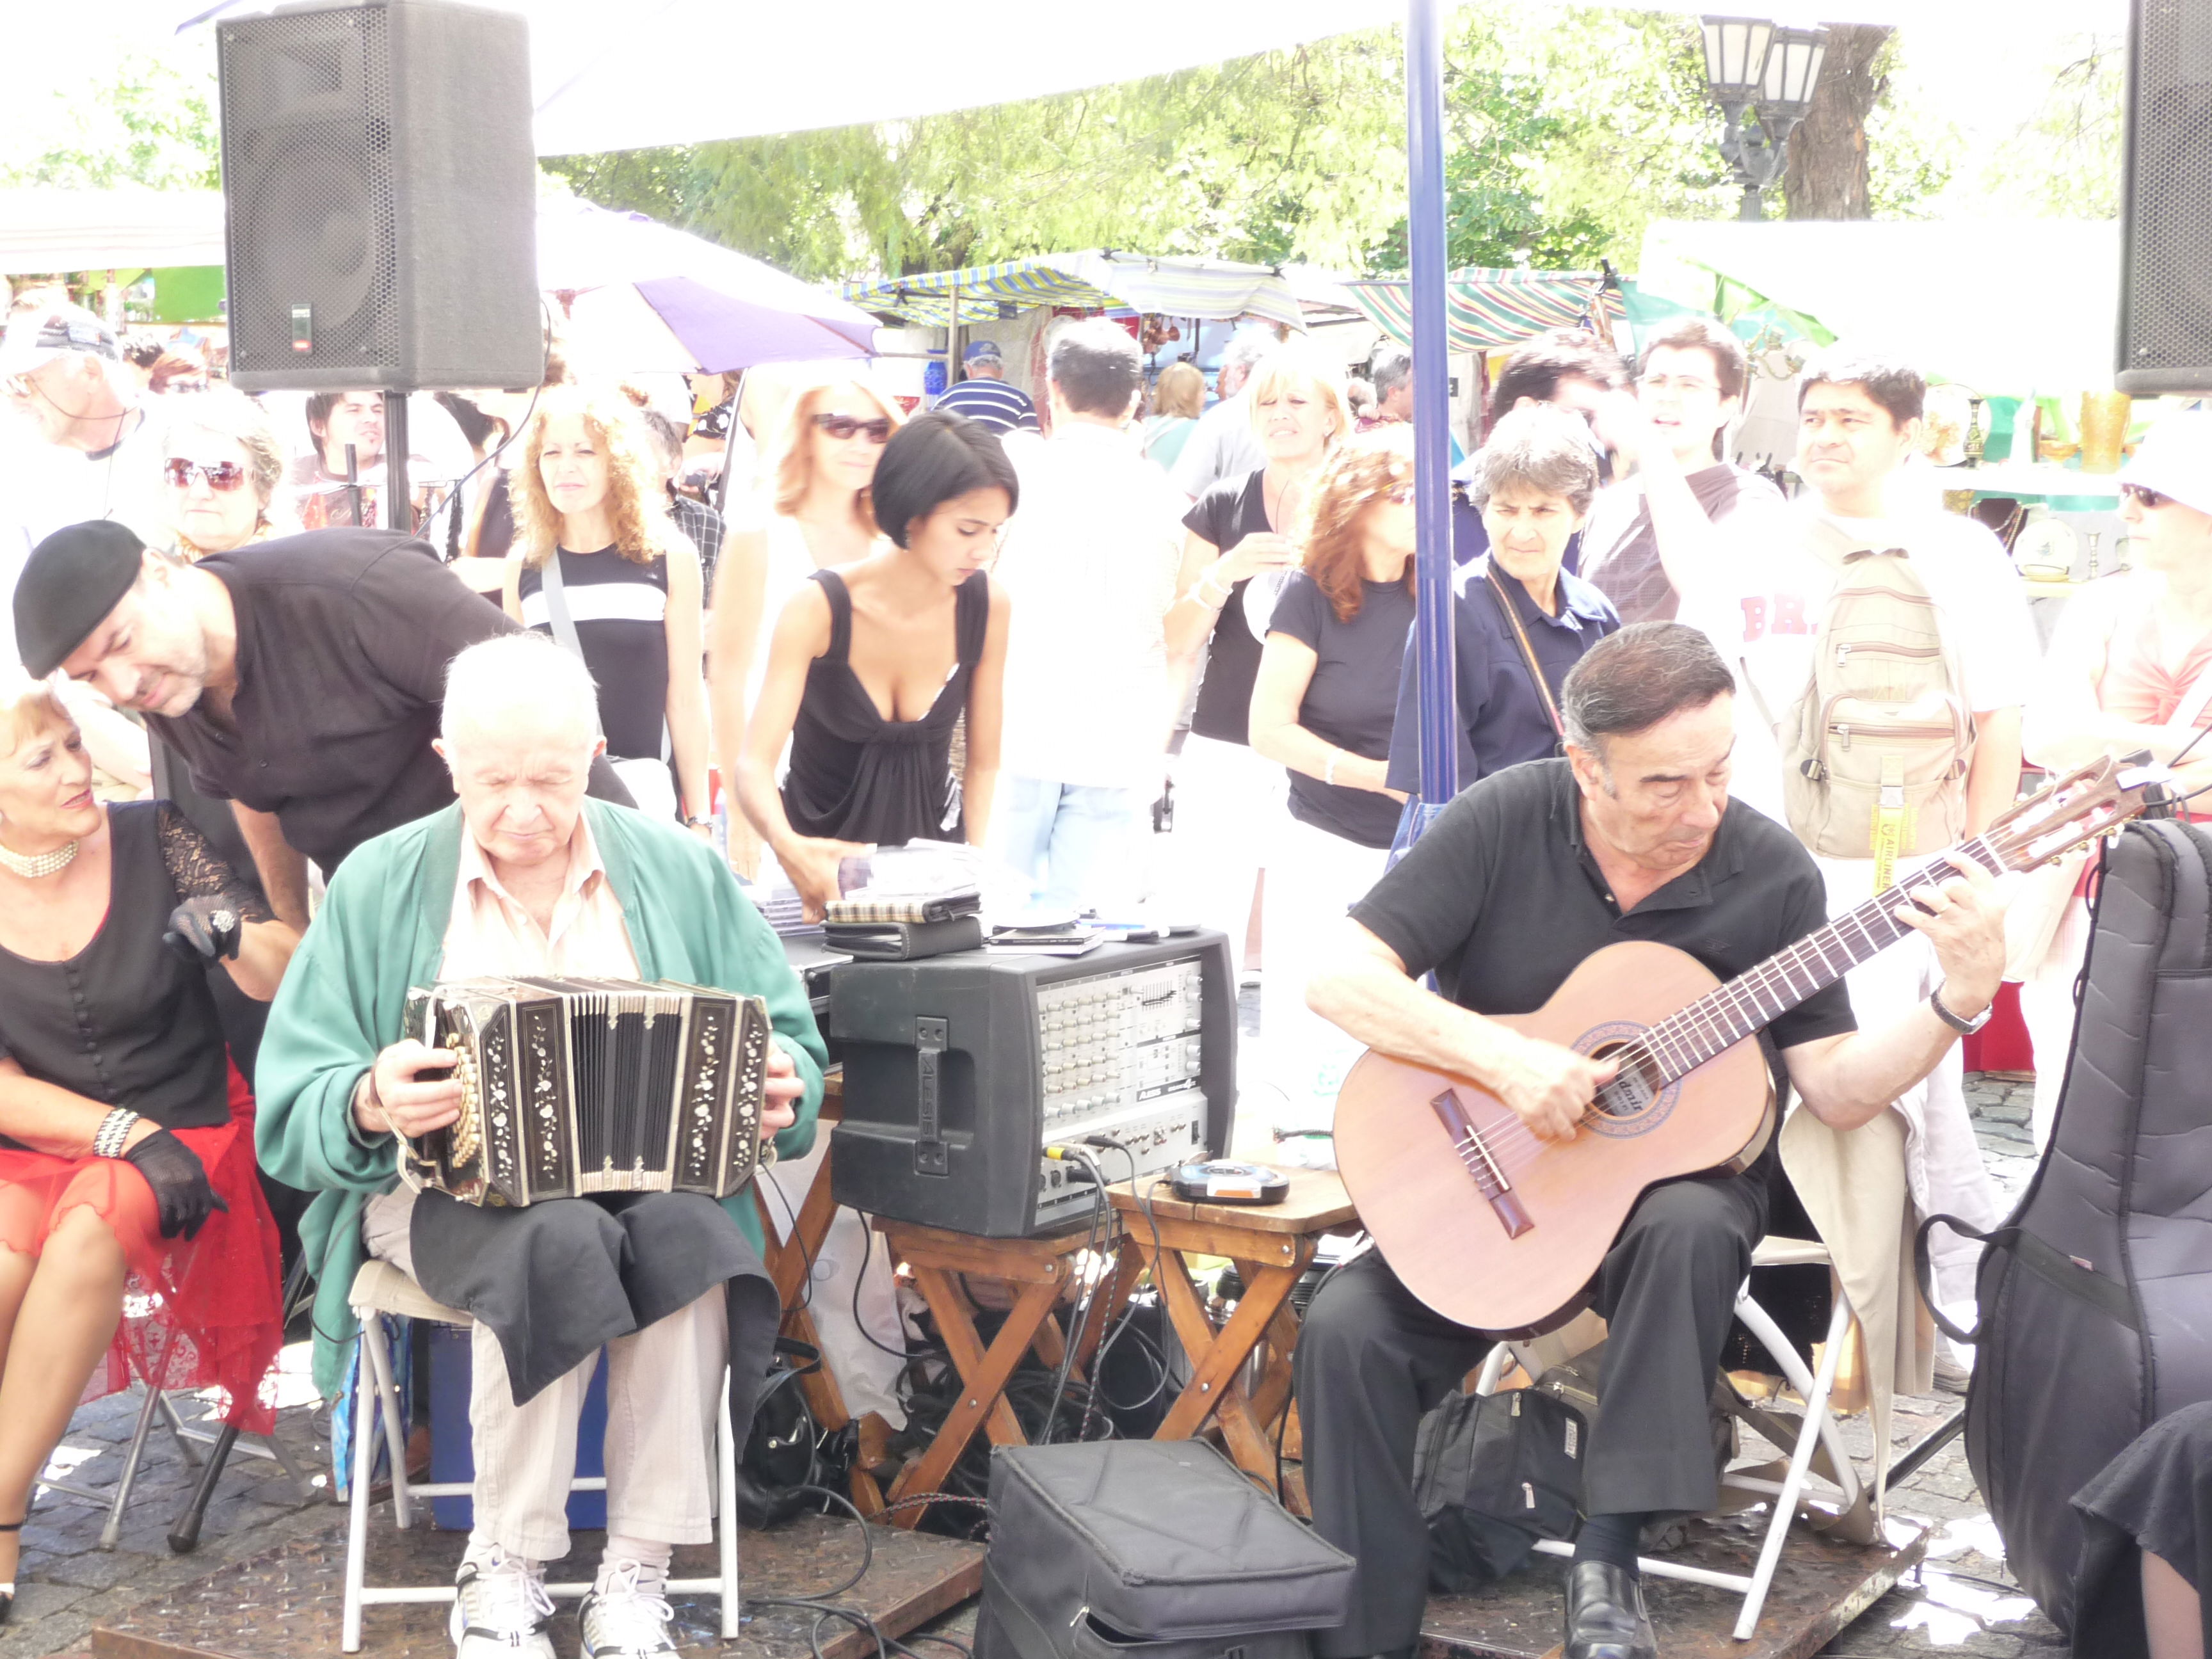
1222,789
2130,669
1322,705
221,464
813,512
597,564
873,665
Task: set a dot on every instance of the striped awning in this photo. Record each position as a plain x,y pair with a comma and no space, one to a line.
1098,280
1488,310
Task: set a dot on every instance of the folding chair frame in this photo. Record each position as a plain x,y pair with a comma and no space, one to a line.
1817,1428
378,1396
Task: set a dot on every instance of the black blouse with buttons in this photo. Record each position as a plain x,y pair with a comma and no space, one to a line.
125,1021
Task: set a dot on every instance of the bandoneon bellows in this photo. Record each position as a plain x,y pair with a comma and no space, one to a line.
574,1086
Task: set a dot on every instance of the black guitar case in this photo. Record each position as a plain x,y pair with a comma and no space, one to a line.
2096,1295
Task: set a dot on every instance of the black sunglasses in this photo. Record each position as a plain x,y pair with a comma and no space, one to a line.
2146,499
224,476
841,427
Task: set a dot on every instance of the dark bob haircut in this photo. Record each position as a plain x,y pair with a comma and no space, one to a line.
1896,386
935,458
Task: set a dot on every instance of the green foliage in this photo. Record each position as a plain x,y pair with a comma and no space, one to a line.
149,122
2065,161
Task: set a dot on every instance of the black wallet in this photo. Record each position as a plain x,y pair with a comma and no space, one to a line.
903,941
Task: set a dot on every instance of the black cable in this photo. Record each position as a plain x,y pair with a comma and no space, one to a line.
952,1642
807,1290
867,1250
1098,1360
1080,1323
431,509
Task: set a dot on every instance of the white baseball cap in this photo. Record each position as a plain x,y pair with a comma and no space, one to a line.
2175,458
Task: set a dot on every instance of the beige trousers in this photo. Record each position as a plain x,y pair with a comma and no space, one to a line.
663,1385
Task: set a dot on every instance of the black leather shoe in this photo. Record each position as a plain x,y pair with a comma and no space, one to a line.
1605,1614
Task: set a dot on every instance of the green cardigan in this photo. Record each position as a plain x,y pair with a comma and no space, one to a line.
381,929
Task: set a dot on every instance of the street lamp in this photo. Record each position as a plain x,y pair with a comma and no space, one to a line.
1762,74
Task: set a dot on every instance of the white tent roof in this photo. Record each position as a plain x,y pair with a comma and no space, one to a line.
43,230
2000,306
796,68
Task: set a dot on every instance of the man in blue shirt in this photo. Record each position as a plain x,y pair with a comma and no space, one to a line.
985,395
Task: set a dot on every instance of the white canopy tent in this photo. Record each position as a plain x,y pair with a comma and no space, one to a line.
54,230
2003,307
603,85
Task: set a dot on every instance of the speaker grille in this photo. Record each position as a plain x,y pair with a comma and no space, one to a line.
307,163
2166,342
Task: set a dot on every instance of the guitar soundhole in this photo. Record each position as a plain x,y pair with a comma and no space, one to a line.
1634,1091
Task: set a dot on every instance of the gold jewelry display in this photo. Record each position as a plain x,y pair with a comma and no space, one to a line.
31,866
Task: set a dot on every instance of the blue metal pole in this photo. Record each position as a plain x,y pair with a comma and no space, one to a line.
1432,621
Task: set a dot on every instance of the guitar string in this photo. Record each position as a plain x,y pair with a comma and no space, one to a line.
1674,1048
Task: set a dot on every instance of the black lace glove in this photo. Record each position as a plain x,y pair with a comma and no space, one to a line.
180,1181
205,930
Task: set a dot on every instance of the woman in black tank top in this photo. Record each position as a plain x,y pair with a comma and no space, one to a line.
874,664
589,505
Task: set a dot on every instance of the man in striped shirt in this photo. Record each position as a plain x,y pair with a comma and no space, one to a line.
985,395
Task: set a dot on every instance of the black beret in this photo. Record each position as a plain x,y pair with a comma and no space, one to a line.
72,580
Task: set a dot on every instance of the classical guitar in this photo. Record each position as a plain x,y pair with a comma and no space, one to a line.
1498,1230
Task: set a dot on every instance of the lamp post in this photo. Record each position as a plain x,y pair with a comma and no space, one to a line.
1762,74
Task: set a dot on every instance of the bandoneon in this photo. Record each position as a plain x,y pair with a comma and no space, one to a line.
574,1086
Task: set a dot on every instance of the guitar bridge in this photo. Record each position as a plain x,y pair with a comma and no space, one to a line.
1475,1153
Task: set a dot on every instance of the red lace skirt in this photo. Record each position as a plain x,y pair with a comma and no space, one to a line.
196,1315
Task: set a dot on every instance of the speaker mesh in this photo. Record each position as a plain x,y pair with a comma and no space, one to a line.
307,161
2166,333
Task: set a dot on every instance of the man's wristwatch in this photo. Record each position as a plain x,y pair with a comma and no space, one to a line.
1963,1027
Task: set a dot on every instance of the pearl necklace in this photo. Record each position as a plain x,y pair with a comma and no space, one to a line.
34,864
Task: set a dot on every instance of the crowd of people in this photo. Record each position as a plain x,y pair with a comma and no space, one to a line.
261,749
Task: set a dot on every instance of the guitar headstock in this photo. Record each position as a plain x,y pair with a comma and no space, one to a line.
2091,801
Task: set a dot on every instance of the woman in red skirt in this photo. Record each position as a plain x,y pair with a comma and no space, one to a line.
126,1140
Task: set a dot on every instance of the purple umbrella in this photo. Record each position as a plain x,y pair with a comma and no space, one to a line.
694,306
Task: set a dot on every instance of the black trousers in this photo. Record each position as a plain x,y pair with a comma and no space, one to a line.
1371,1359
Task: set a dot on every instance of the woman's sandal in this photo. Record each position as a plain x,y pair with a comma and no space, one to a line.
8,1591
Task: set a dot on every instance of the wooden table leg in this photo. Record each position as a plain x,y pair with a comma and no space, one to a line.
983,1374
1214,1390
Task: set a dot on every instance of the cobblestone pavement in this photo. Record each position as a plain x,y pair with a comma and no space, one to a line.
1957,1603
67,1583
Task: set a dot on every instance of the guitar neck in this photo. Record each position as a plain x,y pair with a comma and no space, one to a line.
1754,999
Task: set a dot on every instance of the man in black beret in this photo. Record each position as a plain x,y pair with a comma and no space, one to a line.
302,678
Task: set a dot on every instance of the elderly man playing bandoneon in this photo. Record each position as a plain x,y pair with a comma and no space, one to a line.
523,876
1632,836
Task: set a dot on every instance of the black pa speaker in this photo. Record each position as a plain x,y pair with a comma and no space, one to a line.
380,198
2165,226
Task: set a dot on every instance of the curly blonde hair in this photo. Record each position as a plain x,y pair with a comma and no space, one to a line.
636,505
1359,472
789,467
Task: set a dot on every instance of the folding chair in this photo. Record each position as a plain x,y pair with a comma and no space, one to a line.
1813,1443
379,1288
189,1436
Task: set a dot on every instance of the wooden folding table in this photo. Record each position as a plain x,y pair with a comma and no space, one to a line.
1273,1245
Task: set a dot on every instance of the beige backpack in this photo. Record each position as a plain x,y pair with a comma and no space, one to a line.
1877,753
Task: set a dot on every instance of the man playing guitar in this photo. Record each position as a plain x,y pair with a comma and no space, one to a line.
1630,836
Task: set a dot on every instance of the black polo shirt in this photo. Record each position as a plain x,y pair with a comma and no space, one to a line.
1502,899
343,636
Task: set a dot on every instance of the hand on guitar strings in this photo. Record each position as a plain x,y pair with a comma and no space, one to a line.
1549,1087
410,1091
1963,918
781,1092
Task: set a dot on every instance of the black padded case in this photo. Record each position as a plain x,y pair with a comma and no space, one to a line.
1157,1547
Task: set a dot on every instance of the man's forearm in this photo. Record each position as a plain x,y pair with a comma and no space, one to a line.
1392,1014
283,869
1854,1081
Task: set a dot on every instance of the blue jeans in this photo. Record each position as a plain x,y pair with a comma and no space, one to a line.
1075,843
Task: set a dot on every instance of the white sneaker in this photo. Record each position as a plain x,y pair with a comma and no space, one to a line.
499,1610
619,1619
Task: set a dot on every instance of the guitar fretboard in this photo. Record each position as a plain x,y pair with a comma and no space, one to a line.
1725,1016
